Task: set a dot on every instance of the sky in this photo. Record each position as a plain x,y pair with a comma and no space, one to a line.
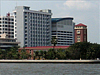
83,11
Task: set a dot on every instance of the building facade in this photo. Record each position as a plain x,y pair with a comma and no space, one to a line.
7,32
80,33
32,28
63,30
7,25
6,43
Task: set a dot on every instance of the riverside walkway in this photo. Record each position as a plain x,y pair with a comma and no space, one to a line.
49,61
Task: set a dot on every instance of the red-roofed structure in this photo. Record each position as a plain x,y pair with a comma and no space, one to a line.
46,47
31,50
80,33
80,25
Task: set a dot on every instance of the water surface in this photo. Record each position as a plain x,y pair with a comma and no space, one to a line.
48,69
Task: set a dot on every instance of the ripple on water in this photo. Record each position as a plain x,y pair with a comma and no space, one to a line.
48,69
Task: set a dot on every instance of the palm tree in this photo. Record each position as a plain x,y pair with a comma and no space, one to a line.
54,41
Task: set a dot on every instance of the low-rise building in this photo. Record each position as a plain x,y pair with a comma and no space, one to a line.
31,50
6,43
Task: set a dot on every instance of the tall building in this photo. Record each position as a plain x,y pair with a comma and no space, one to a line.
80,33
63,30
32,28
7,25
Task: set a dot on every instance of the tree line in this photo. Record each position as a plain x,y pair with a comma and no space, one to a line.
83,50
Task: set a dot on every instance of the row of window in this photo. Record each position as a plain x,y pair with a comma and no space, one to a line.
61,34
62,31
80,27
36,14
3,22
6,26
65,22
8,19
79,38
79,32
59,44
7,29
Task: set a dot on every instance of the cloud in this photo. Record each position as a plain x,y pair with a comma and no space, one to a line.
78,4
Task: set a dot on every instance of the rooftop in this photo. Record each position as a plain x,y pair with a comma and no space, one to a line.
46,47
80,25
59,19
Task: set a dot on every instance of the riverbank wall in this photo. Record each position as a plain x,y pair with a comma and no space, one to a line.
49,61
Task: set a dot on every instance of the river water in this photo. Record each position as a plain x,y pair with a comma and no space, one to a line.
48,69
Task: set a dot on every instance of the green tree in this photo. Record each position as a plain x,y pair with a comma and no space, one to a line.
54,41
24,54
51,54
61,54
2,54
12,53
84,50
37,54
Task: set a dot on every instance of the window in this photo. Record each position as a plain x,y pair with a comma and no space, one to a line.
15,13
78,36
78,31
84,38
25,42
78,39
30,51
15,24
84,31
15,35
12,22
25,35
5,18
25,27
25,38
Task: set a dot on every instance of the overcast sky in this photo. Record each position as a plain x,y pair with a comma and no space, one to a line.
83,11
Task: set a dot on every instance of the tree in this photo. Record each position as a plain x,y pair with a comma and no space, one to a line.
84,50
44,54
61,54
54,41
41,54
2,54
37,54
51,54
24,54
12,53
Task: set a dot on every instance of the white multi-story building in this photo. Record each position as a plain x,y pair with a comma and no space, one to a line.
7,25
63,30
7,32
32,28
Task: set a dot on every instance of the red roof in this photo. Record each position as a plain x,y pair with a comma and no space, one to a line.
46,47
80,25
